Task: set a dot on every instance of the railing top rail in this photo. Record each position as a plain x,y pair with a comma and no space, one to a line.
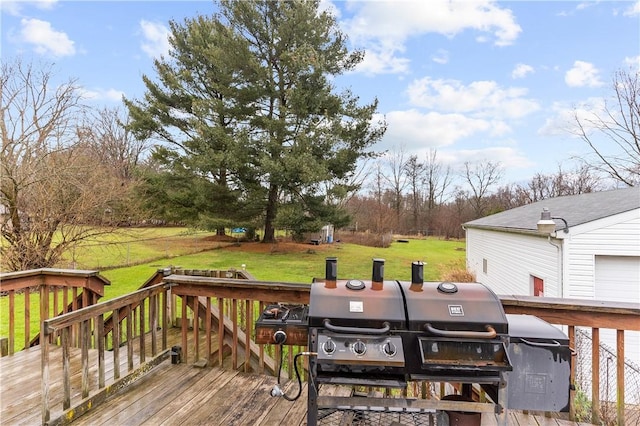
89,312
236,283
578,305
5,276
19,280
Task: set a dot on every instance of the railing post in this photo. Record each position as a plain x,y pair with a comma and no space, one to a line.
44,366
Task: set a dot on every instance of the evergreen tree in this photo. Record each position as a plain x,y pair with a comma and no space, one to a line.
247,104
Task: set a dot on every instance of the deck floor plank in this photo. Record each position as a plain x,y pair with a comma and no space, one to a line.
176,394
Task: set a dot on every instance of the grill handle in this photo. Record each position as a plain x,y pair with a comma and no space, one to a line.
356,330
552,344
489,334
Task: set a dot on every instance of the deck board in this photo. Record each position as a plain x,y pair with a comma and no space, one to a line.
177,394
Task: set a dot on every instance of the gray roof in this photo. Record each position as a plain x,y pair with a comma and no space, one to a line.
575,209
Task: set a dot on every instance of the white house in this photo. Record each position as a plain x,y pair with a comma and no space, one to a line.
594,252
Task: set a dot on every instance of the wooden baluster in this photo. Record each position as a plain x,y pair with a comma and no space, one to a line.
85,338
166,317
44,366
153,323
196,328
115,341
595,375
12,320
129,337
572,374
247,343
234,344
27,317
208,329
261,306
143,322
290,359
183,300
620,376
66,376
100,345
220,331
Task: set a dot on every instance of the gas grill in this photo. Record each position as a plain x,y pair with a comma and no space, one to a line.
382,333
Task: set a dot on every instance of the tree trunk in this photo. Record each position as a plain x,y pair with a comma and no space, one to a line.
221,231
269,231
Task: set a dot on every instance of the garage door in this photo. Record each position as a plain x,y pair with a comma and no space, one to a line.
618,280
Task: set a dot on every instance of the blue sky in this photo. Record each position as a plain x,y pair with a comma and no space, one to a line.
475,80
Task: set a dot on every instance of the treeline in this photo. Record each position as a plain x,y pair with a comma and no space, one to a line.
412,197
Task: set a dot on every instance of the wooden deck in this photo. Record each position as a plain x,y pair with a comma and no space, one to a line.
180,394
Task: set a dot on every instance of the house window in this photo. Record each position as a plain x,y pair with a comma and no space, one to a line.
484,265
538,286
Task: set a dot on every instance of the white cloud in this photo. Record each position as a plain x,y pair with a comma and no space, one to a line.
521,71
507,156
15,7
481,98
382,61
156,39
386,26
563,119
633,10
633,62
45,39
432,129
110,95
583,74
440,57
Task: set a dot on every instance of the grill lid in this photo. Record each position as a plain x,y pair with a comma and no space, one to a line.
434,307
356,303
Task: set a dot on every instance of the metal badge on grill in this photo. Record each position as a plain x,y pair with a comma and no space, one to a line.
456,311
356,306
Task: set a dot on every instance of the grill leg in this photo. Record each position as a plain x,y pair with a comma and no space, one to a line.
313,387
503,395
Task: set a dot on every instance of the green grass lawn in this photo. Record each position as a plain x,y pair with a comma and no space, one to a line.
265,262
131,246
354,261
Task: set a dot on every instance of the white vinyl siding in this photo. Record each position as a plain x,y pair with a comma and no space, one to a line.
511,260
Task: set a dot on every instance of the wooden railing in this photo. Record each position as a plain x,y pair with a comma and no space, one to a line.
216,317
244,300
64,290
144,321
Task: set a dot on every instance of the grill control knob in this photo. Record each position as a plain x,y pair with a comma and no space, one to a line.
389,349
359,348
329,347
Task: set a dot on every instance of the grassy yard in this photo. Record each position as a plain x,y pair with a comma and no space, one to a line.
285,262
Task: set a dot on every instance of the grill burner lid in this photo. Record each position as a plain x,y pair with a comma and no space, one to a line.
355,285
447,287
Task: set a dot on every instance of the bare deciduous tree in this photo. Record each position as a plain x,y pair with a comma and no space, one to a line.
480,177
613,133
106,134
397,180
51,188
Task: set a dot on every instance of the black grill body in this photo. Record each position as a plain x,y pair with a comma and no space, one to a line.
541,359
384,333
